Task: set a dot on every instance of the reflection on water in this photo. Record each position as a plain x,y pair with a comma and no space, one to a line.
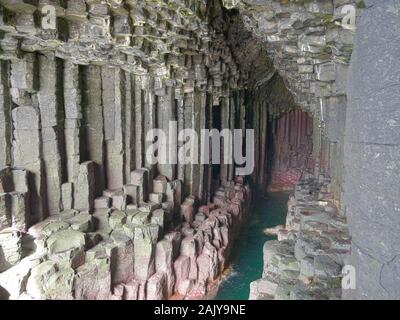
247,258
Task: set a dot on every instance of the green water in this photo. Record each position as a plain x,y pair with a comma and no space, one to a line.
247,258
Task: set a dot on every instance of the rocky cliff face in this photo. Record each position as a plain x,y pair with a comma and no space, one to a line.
372,152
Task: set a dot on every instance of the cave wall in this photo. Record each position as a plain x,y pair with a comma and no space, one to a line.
371,186
91,90
80,204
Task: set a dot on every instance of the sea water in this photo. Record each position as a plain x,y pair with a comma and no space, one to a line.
247,257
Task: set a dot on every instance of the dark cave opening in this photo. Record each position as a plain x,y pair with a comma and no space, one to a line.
290,145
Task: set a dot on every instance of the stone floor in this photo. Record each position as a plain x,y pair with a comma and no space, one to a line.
307,260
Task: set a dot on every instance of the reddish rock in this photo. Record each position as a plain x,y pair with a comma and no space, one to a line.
122,262
220,201
182,269
140,178
131,290
160,185
208,263
142,291
194,270
188,247
156,286
175,238
199,239
144,266
234,207
204,209
118,292
93,280
164,264
222,253
224,235
187,210
134,290
199,291
292,144
184,287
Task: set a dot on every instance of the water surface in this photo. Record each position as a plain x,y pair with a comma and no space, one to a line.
247,257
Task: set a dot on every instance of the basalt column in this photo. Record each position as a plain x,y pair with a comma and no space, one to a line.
291,145
92,148
5,115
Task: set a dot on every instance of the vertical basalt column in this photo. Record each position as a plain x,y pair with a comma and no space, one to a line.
324,157
263,145
181,125
241,120
51,108
72,129
149,105
232,116
225,119
242,112
197,173
190,116
27,144
336,119
256,125
139,120
317,136
5,115
130,125
166,113
93,149
113,84
203,173
207,182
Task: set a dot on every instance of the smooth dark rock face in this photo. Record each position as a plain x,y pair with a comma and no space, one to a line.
372,150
